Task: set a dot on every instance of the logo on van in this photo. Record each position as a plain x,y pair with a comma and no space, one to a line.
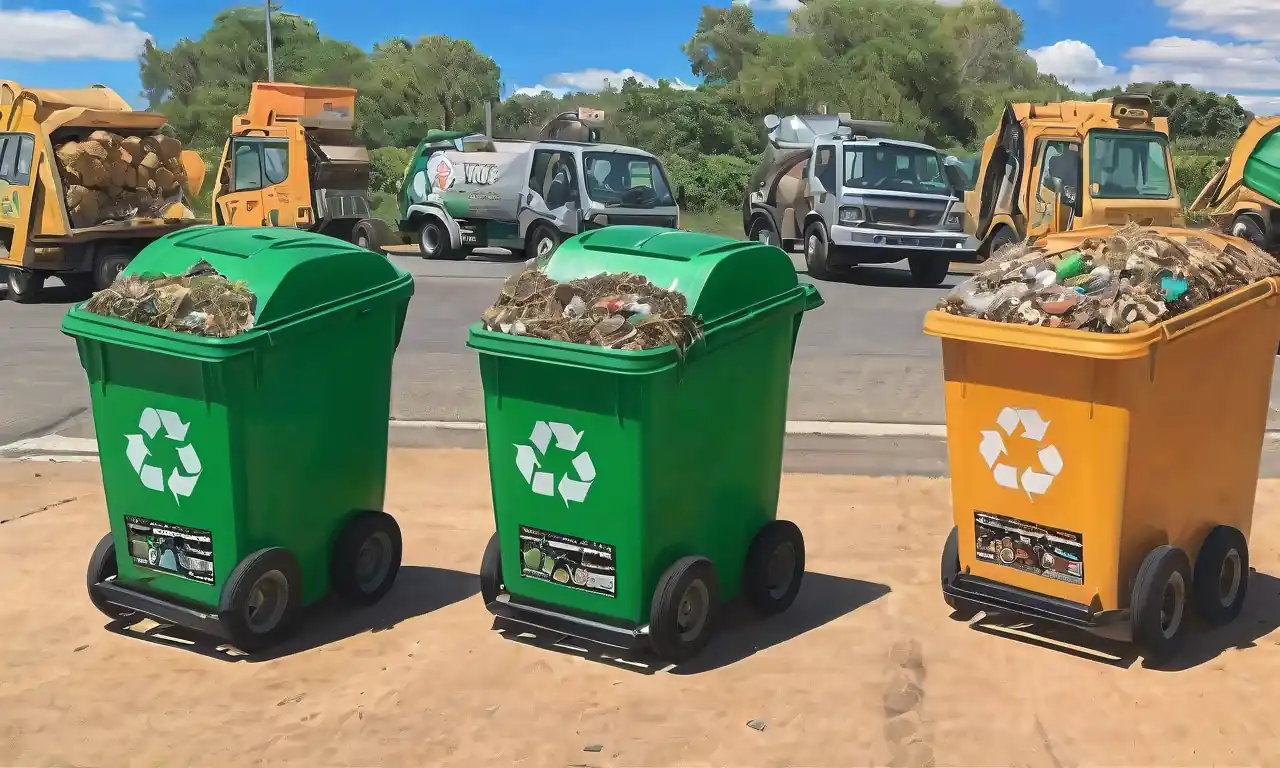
440,172
474,173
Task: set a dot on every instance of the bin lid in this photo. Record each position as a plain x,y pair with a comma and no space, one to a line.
293,273
720,277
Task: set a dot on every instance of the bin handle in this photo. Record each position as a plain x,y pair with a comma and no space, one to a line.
1230,304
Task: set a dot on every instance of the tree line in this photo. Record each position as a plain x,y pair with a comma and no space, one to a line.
940,73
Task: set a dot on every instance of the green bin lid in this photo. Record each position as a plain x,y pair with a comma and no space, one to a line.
720,277
292,273
1262,169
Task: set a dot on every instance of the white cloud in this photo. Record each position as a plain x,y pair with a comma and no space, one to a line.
31,35
1077,65
593,80
782,5
1241,19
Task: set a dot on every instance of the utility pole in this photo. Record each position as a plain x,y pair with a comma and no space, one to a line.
271,64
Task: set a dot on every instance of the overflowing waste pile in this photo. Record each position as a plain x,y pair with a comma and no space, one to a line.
108,177
621,311
1118,284
200,302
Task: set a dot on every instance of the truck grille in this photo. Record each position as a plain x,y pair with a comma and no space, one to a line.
905,216
644,221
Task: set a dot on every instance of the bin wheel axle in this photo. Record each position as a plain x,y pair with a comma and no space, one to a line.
261,599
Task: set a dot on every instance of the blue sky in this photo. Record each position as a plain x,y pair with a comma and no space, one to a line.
1223,45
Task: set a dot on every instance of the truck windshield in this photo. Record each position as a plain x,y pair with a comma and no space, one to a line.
894,167
618,180
1127,164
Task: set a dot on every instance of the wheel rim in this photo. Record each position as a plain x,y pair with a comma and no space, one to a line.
1173,602
373,562
18,281
362,241
116,269
811,246
1229,579
691,614
781,571
430,240
268,598
765,236
545,246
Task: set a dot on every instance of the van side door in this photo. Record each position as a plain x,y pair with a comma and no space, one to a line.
17,181
1055,183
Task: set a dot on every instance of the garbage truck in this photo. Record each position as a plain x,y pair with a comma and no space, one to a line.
77,195
293,160
1243,197
1032,180
466,191
851,197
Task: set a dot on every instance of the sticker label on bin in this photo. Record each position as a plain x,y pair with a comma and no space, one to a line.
567,560
176,549
1053,553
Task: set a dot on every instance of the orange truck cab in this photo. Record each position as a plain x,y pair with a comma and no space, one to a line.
37,238
292,160
1243,197
1056,167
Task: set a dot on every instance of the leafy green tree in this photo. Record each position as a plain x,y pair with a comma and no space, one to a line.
722,41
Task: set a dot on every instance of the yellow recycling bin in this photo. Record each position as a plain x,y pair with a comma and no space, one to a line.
1107,481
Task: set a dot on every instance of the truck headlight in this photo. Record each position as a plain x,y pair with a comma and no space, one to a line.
955,220
852,215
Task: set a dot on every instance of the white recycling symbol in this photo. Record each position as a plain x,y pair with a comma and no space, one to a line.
1033,428
544,483
180,484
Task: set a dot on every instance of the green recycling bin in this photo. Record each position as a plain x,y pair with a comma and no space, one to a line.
636,491
244,476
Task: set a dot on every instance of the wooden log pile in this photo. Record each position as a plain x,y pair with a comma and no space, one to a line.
108,177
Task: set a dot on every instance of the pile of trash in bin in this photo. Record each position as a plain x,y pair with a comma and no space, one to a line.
1118,284
621,311
200,302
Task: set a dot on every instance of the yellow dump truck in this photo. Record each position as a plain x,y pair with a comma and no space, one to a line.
1243,198
292,160
1056,167
42,197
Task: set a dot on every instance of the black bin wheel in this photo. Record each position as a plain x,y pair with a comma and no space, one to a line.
774,568
491,584
1161,602
1221,576
963,609
103,566
684,608
262,599
366,558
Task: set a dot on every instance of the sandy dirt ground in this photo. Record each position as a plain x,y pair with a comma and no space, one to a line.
867,669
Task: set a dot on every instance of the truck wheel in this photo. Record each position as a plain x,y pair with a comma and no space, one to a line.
543,241
366,558
1221,576
815,251
1246,227
1160,602
108,268
684,609
261,600
1002,237
928,271
775,568
962,609
491,584
102,566
433,239
762,232
24,287
364,237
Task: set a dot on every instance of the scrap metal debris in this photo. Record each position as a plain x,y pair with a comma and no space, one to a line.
200,302
1118,284
621,311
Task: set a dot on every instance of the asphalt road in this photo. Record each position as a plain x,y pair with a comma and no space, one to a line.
861,357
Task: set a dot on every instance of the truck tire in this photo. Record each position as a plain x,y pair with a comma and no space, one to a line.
365,237
433,239
1002,237
1247,228
108,267
762,231
24,287
542,242
815,251
928,271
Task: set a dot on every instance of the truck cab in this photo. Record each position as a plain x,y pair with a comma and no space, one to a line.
292,160
463,192
1243,197
1055,167
848,197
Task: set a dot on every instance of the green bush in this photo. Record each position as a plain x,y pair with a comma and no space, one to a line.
1192,173
710,182
386,168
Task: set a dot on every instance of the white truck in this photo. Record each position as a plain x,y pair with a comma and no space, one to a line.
852,199
463,192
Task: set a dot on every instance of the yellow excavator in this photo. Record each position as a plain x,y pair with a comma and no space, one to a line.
1243,197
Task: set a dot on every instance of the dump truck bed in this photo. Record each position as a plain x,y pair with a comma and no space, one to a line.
120,230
